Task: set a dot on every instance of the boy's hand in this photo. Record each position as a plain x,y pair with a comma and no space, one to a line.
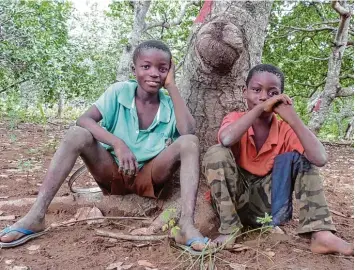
170,78
128,164
269,104
286,112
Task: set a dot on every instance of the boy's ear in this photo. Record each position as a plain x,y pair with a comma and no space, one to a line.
245,92
133,70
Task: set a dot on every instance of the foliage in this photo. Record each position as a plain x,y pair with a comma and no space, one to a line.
303,54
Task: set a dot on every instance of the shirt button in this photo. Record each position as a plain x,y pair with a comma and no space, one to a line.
137,131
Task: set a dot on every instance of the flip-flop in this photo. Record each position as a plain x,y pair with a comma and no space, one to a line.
188,246
28,235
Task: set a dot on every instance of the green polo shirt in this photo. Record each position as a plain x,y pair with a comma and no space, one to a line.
119,117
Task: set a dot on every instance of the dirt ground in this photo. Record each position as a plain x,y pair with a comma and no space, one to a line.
25,153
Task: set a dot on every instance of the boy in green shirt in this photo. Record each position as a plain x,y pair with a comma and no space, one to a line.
129,153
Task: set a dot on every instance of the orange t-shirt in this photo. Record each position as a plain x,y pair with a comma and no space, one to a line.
281,139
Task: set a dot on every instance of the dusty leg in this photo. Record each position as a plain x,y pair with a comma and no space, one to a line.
315,217
184,151
77,141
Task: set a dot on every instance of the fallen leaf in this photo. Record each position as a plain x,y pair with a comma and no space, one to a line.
145,263
4,197
269,253
239,247
8,262
12,217
116,265
33,247
237,266
128,266
4,176
1,212
87,212
20,267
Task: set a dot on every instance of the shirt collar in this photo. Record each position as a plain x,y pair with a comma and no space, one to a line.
126,98
273,137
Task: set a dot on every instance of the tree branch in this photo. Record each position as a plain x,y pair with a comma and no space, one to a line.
340,9
174,22
13,85
345,92
326,28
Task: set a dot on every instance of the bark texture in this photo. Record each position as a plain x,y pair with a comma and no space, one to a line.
226,41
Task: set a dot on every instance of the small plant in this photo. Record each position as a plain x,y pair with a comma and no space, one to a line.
265,221
169,218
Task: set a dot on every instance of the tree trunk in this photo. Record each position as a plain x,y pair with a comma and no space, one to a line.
227,40
349,130
124,64
332,88
60,105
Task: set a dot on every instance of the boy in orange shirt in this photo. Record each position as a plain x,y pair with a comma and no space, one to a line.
261,160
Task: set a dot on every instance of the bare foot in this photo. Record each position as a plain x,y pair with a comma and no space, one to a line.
187,232
27,222
325,242
226,240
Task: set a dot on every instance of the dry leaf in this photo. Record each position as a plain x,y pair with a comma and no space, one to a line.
12,217
1,212
237,266
87,212
33,247
8,262
145,263
4,197
239,247
20,267
269,253
116,265
128,266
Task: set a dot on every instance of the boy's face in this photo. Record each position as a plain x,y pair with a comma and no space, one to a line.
151,69
262,86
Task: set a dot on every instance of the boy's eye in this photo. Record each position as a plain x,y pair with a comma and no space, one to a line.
273,93
163,69
256,90
145,66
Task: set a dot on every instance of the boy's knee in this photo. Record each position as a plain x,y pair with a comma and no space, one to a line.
78,137
188,143
217,153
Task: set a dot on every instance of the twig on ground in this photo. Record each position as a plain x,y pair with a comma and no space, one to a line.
338,213
95,218
131,237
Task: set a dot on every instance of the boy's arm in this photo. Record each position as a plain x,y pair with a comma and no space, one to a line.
234,132
89,120
313,148
185,123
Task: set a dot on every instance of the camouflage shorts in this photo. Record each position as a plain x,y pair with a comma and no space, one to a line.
240,197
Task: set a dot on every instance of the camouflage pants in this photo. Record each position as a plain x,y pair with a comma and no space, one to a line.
240,197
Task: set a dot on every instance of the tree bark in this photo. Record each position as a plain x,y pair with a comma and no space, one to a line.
60,105
226,41
124,64
332,86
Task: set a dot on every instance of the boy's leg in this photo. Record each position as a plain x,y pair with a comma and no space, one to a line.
184,152
77,142
229,191
315,217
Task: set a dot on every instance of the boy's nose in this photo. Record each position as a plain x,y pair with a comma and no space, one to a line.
154,73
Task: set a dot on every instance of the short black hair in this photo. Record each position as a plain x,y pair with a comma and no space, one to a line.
150,44
267,68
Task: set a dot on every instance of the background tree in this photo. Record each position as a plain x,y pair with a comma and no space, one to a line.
226,41
302,40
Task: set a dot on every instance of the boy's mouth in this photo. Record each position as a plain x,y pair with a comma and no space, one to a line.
152,83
